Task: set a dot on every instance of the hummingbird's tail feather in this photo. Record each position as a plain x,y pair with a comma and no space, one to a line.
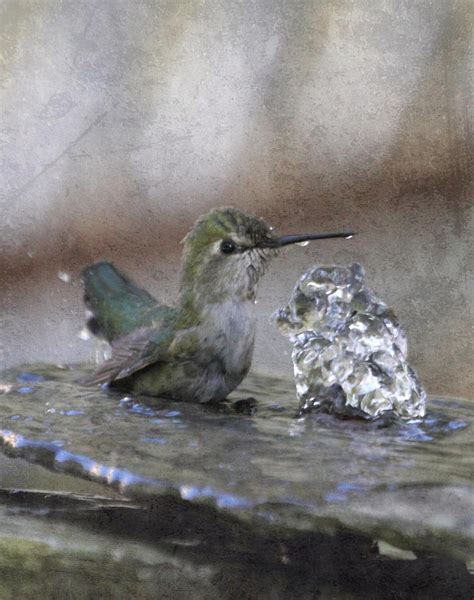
116,304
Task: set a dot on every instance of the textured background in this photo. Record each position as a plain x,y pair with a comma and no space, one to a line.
122,121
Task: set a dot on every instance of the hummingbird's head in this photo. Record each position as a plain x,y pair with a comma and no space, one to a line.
226,253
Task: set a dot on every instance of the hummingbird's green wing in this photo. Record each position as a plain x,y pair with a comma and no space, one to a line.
117,304
133,352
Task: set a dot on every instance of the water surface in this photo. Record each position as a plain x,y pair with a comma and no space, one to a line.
410,484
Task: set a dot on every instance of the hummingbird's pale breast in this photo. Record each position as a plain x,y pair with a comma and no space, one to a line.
228,330
222,358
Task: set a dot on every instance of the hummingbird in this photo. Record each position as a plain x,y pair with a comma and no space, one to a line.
200,349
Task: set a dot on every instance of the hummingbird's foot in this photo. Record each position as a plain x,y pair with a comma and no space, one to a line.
246,406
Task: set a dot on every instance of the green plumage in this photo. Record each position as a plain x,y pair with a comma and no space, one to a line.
118,305
139,328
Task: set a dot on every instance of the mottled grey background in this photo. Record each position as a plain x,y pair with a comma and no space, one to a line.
122,121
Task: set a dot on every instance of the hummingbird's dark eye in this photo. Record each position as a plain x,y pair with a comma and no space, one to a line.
228,246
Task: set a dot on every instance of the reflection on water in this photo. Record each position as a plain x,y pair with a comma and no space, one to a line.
409,482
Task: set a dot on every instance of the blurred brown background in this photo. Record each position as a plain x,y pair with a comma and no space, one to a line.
123,121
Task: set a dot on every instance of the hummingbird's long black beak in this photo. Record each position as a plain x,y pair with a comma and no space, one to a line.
284,240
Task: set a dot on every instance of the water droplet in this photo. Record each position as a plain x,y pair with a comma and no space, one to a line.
172,413
141,410
25,390
64,277
335,497
84,334
155,440
455,425
103,351
25,376
302,244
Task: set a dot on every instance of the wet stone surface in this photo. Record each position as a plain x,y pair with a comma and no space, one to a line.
409,484
59,546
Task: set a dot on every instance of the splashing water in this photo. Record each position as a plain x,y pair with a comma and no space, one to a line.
349,350
63,276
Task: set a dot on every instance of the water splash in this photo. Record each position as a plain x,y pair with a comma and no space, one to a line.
349,350
63,276
84,334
